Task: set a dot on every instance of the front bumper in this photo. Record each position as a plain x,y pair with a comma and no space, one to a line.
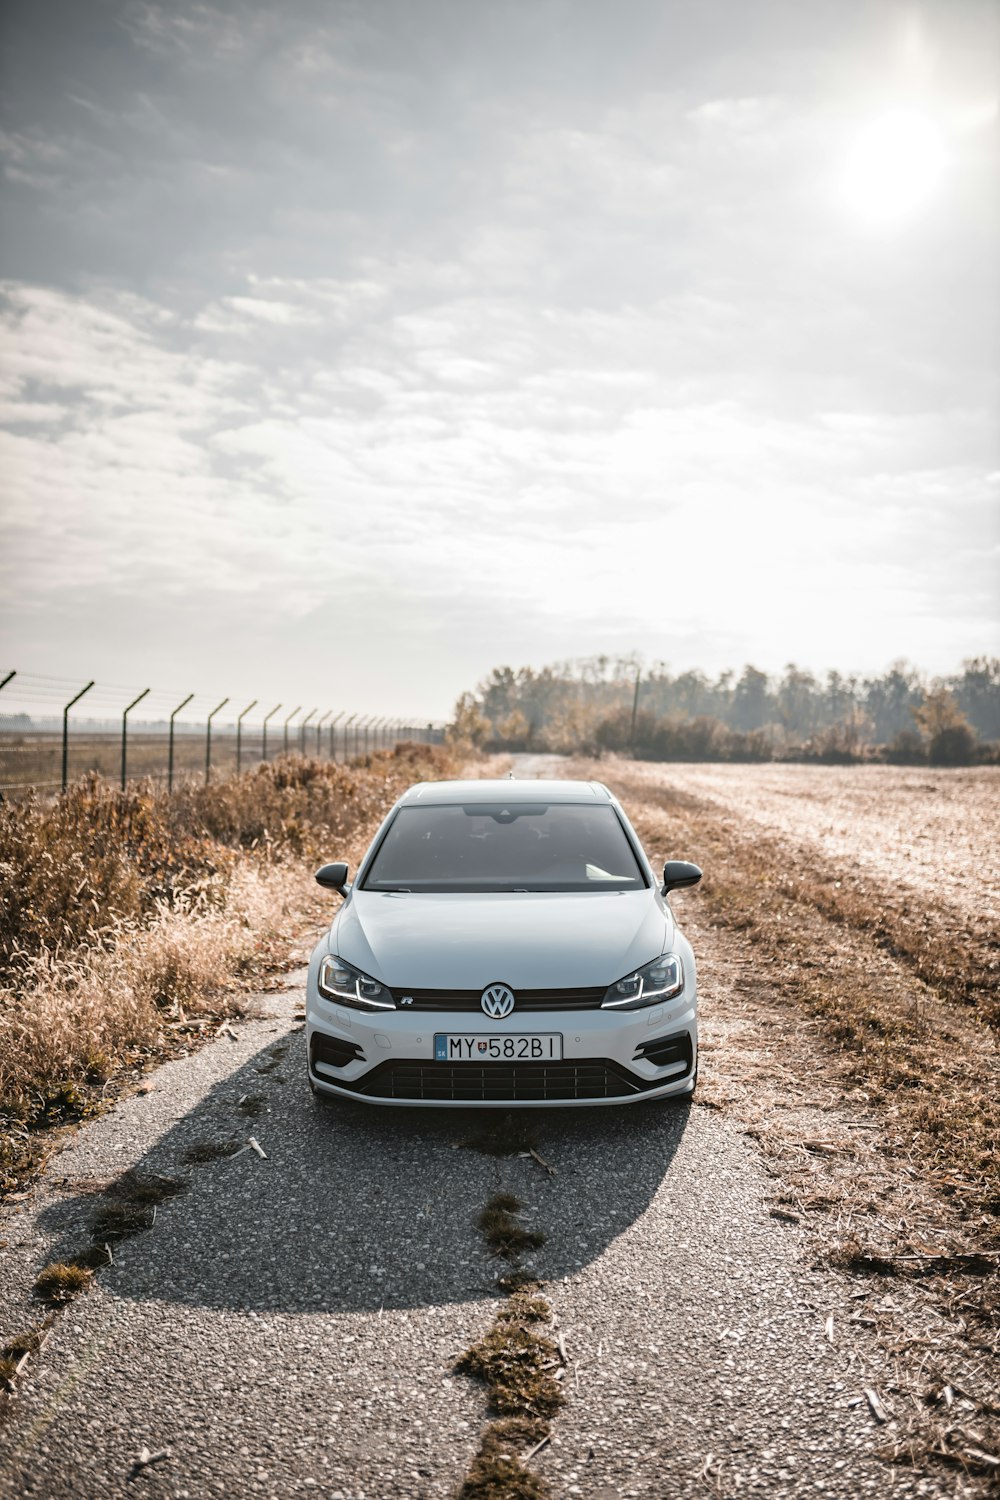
608,1057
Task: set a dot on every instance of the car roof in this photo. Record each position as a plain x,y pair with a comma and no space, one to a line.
508,789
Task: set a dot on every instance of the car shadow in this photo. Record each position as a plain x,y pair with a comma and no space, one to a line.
358,1207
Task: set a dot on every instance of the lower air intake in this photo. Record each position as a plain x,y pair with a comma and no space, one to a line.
523,1083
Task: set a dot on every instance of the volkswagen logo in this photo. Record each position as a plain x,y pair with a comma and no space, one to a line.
497,1001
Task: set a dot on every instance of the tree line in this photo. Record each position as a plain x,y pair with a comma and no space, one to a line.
613,703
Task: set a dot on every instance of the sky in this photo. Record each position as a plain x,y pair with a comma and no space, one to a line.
350,350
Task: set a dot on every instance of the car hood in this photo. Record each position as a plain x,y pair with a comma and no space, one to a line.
528,940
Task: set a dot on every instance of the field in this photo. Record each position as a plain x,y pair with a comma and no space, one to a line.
935,832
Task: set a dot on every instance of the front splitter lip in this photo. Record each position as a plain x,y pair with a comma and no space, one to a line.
323,1086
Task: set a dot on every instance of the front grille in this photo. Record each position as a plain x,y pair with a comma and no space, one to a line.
334,1051
468,1000
524,1083
664,1050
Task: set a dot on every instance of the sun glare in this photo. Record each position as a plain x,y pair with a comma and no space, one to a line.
893,166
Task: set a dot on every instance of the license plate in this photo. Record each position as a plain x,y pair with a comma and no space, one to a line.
478,1046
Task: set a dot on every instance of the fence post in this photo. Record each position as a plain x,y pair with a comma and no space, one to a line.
347,725
170,742
333,736
208,740
125,730
239,734
65,747
302,731
291,716
319,730
263,751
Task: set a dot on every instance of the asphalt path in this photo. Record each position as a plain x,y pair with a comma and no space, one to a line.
290,1324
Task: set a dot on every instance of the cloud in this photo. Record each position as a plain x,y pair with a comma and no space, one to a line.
481,337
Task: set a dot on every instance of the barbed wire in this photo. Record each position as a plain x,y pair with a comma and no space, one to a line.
40,695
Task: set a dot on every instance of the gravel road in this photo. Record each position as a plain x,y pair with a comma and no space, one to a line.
289,1325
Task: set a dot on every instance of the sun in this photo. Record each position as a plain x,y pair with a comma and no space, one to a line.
893,166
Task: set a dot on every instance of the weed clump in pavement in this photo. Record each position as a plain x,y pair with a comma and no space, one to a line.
517,1363
13,1351
61,1282
205,1151
272,1058
129,1205
496,1472
511,1135
518,1280
501,1231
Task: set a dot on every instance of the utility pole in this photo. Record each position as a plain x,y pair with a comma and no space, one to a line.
635,710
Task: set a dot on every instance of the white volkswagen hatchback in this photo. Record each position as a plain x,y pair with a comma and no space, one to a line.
504,943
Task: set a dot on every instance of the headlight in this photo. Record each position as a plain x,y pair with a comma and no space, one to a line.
660,980
341,981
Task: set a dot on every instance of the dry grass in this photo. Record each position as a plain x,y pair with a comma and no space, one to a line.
510,1135
61,1281
16,1351
129,1205
136,921
204,1152
501,1231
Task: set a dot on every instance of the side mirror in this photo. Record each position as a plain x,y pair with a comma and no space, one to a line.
334,877
677,873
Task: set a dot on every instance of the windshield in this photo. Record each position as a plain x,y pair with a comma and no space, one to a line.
505,846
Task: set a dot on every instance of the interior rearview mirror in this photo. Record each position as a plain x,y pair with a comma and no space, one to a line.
334,877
